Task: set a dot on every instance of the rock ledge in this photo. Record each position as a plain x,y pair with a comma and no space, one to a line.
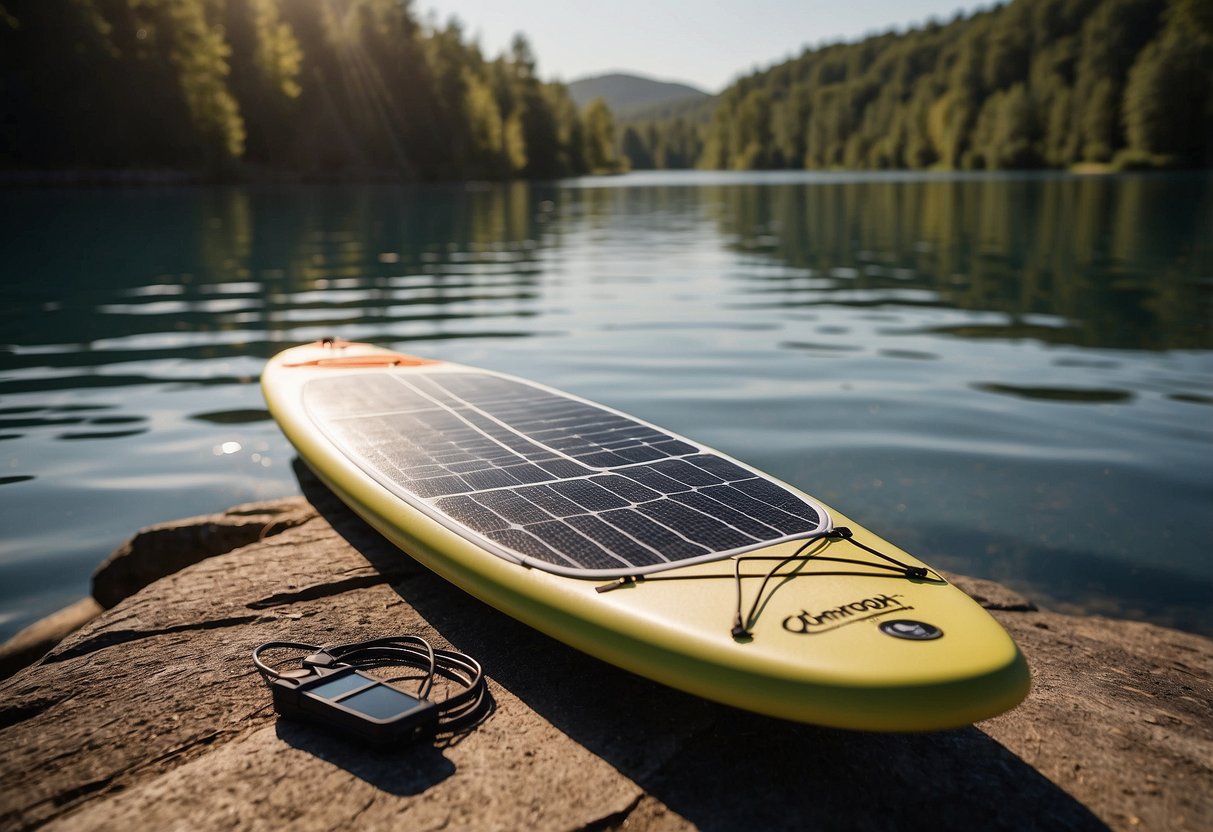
151,716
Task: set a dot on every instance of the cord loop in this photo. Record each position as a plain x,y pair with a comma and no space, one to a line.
459,712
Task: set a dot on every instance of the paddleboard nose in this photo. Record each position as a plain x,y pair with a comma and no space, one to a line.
335,352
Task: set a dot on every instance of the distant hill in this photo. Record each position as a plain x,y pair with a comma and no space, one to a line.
624,93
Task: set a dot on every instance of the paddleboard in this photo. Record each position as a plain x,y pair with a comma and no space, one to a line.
641,547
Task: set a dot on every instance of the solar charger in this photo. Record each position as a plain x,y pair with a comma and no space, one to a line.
352,701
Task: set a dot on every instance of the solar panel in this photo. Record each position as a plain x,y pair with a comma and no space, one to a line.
550,480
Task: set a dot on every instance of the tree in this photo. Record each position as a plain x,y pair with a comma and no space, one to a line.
750,139
599,141
486,133
635,150
515,144
1100,122
1163,117
1014,137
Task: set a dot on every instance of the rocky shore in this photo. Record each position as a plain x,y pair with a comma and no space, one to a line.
148,714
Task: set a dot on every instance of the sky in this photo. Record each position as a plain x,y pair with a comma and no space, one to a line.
706,44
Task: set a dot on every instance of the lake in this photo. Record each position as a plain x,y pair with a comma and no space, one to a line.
1009,375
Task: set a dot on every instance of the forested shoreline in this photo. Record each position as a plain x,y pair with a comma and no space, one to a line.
1030,84
181,90
263,88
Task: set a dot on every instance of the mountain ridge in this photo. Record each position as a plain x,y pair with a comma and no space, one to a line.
624,91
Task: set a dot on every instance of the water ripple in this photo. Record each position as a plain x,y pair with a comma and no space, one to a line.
1068,395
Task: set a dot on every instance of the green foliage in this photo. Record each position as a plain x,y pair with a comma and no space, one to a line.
278,56
515,144
635,149
676,143
316,88
199,52
599,138
486,132
1029,84
1171,77
332,88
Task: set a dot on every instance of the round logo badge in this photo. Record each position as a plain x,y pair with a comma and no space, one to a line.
912,630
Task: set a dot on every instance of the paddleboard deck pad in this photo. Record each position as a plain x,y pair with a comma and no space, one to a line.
642,547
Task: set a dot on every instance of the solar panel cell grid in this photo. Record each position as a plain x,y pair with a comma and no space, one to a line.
548,477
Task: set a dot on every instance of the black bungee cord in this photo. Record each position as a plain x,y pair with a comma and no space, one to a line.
328,687
741,625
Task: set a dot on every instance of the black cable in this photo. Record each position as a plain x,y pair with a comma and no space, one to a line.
459,712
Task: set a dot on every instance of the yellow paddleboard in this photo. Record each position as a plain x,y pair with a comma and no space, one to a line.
641,547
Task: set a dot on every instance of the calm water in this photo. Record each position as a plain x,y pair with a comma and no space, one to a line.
1011,376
